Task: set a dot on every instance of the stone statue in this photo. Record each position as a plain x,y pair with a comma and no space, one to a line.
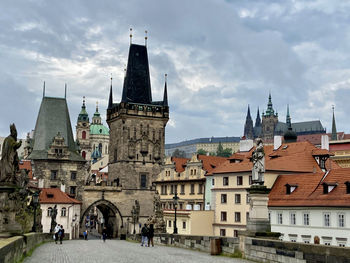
157,218
9,160
258,158
53,218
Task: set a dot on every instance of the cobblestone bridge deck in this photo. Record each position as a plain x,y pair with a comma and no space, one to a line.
118,251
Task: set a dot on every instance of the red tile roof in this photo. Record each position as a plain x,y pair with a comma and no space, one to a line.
180,163
309,191
56,196
291,157
211,162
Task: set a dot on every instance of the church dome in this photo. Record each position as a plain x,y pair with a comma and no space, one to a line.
98,129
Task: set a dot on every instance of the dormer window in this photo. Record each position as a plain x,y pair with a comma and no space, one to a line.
328,187
290,188
347,187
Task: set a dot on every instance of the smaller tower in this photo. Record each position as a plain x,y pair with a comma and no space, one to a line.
83,132
257,127
334,128
289,135
269,121
248,127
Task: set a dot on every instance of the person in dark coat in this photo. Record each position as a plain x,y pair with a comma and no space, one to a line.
61,234
144,234
104,234
150,235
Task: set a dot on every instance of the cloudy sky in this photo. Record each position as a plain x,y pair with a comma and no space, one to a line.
220,56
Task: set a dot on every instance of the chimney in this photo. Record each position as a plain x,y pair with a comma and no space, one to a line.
277,142
245,145
325,142
63,188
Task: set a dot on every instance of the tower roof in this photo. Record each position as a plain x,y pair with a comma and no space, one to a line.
137,84
53,118
83,115
334,128
270,111
258,120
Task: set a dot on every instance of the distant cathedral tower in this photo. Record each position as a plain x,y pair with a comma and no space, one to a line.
269,122
137,126
248,127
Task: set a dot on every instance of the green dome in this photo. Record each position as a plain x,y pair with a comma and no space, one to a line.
99,129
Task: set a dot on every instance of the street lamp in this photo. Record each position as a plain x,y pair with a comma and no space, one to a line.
35,204
175,201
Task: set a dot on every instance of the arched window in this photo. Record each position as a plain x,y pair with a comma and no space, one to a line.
100,148
49,211
63,211
83,154
83,135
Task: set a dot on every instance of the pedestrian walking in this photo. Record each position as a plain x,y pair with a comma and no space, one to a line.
56,230
150,235
85,234
144,234
104,234
61,234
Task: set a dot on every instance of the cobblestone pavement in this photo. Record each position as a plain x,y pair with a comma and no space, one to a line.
96,251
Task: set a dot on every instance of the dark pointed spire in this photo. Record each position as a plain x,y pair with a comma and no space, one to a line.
258,119
248,127
334,128
269,111
110,102
83,115
289,135
65,90
165,97
137,83
288,119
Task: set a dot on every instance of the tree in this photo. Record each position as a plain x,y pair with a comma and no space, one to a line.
202,151
223,152
179,153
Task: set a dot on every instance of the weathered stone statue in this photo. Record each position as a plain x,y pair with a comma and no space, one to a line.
157,218
258,159
9,160
53,218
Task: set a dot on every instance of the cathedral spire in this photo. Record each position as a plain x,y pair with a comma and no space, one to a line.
165,97
269,111
248,127
258,120
110,102
288,119
334,128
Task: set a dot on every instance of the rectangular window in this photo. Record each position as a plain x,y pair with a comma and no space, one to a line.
200,189
73,175
341,220
237,198
235,233
165,189
192,189
213,181
239,180
223,198
72,190
225,180
247,216
169,223
327,219
54,175
293,220
250,180
279,218
237,216
306,219
182,189
183,225
171,189
63,211
181,206
223,232
143,181
223,216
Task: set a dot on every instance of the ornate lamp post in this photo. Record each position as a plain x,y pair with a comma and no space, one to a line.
35,203
175,201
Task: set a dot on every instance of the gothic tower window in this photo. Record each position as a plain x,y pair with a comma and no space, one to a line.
83,135
83,154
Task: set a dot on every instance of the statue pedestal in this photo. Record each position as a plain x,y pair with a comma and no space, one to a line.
258,214
8,209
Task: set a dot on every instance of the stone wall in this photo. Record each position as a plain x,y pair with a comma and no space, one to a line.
266,250
12,249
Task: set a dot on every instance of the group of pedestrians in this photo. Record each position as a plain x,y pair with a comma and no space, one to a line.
147,234
58,233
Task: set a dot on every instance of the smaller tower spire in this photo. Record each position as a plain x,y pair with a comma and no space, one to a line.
165,97
248,127
146,38
110,102
96,106
288,119
83,102
44,89
258,119
334,128
65,90
130,35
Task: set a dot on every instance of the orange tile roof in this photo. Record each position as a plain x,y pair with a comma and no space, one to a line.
180,163
211,162
309,191
26,164
290,157
56,196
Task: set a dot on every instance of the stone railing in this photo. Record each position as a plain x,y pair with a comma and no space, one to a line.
12,249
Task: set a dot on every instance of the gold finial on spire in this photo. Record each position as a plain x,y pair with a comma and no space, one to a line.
146,38
166,77
84,101
130,35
